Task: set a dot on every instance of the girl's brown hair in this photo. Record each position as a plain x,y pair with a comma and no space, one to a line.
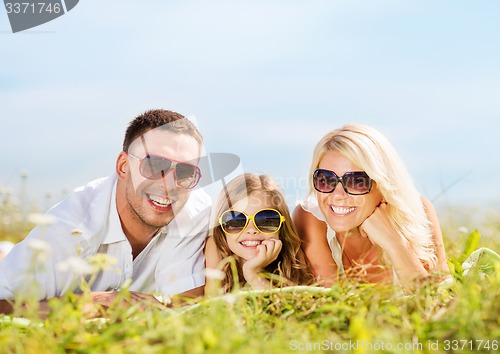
291,265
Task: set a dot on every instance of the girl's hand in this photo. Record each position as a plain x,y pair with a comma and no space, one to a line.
267,252
378,228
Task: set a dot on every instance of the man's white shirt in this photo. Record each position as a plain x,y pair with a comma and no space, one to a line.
87,224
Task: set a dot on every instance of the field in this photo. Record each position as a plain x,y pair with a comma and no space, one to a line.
461,318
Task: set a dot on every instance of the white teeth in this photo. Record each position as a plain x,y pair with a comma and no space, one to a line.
251,243
342,211
161,201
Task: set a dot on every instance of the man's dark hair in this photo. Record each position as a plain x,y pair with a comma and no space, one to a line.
156,118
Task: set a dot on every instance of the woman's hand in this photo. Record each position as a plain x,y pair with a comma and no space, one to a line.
267,252
378,228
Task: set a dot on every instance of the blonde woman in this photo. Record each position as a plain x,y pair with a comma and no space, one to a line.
252,224
364,219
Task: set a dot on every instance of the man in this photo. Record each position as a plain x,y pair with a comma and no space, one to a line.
146,217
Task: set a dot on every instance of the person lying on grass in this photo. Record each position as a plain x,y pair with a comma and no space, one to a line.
146,216
364,219
251,223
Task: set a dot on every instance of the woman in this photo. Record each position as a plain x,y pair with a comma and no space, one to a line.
378,228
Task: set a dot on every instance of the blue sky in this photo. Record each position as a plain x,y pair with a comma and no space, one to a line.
264,79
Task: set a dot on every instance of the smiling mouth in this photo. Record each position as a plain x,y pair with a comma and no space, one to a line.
342,210
251,243
159,201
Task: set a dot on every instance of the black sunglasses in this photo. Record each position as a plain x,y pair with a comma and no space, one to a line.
155,167
354,183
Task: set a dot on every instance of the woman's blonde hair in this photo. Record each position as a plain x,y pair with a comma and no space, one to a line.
372,152
290,266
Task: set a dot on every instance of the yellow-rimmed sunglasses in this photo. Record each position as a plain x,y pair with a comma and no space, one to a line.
267,221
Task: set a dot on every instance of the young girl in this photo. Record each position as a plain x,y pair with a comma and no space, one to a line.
364,218
252,224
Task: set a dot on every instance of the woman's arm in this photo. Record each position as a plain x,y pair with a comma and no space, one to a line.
405,262
315,245
437,238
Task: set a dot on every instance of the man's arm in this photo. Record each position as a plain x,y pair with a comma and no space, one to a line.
101,301
6,307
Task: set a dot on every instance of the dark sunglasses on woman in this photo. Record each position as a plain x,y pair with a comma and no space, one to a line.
354,183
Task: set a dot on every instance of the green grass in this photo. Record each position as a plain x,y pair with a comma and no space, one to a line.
368,318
